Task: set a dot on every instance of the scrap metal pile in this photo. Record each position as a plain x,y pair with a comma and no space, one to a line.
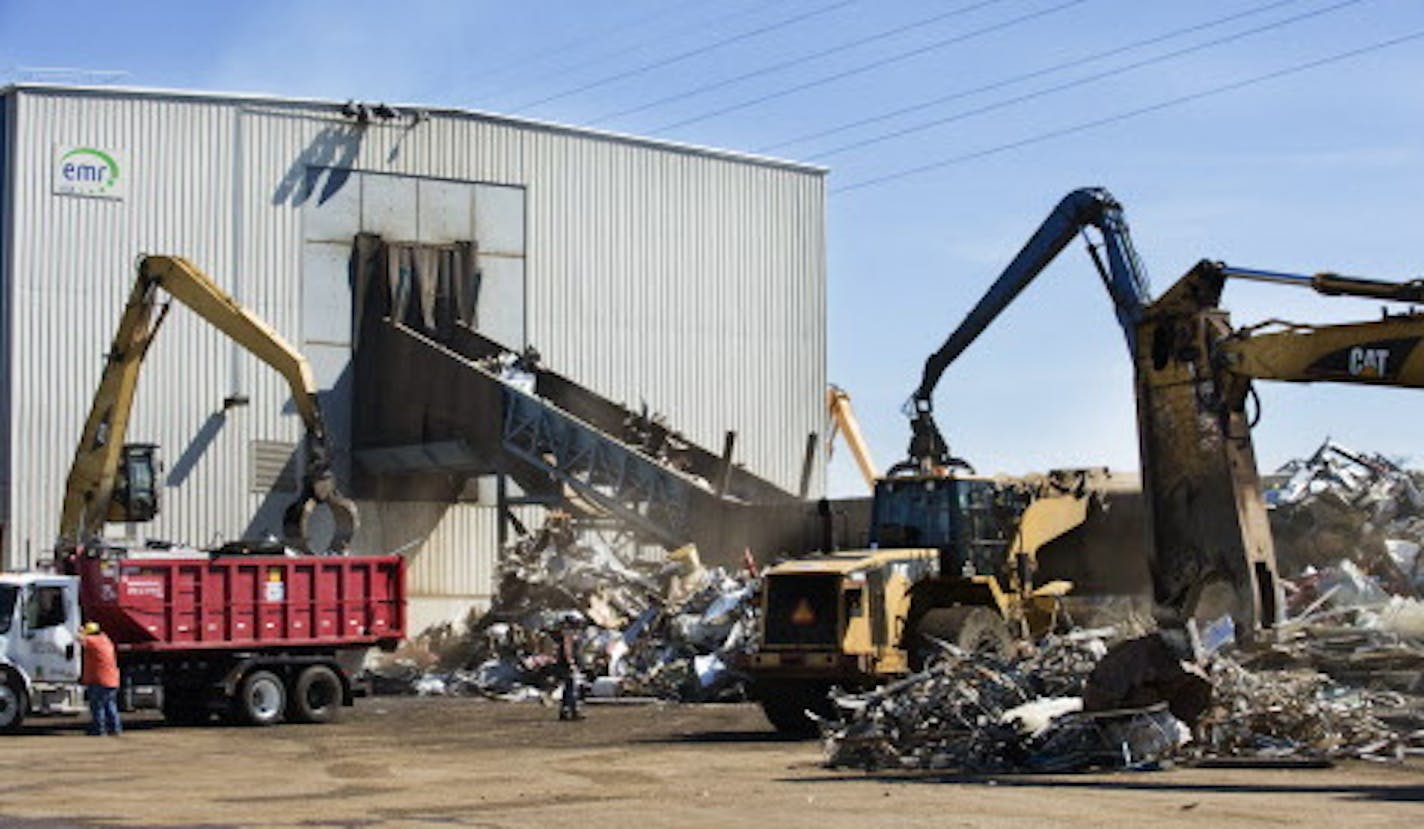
1292,713
1343,675
1348,528
966,711
668,630
1073,703
1340,505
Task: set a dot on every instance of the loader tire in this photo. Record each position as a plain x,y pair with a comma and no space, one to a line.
260,700
785,705
315,696
14,702
973,628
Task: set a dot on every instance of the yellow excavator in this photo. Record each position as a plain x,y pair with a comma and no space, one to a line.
1210,539
845,424
113,481
955,553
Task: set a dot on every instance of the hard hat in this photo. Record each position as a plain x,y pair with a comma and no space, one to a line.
91,628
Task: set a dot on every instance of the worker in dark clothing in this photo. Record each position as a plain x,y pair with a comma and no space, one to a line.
567,667
100,675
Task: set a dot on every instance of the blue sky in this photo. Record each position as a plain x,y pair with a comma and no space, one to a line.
1317,169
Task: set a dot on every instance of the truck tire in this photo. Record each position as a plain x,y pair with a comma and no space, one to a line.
974,628
185,707
316,695
785,705
14,703
260,699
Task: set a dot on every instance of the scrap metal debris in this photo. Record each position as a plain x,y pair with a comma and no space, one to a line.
1295,713
668,630
1051,711
1342,505
975,712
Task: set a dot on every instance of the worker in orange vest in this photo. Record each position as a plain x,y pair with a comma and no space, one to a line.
100,676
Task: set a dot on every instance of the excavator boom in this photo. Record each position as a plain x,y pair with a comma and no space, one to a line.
843,420
89,490
183,281
1123,275
1384,352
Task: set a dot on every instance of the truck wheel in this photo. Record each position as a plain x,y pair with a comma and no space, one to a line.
974,628
260,699
316,695
13,702
184,707
785,705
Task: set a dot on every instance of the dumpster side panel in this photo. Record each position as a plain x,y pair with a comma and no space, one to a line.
245,602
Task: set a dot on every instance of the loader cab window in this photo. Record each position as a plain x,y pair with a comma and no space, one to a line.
8,594
45,608
913,512
984,520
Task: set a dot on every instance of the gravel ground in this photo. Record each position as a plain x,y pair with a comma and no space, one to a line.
466,762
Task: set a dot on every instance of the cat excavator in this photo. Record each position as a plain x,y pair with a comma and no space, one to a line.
956,553
113,481
1193,375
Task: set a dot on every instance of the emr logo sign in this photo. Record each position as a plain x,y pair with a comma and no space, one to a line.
90,171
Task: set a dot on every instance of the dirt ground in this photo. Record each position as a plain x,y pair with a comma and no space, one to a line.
464,762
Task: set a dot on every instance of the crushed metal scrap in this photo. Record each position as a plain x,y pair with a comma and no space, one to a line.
969,711
1298,713
669,630
973,713
1343,505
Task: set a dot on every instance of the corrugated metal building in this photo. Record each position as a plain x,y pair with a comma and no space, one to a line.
689,278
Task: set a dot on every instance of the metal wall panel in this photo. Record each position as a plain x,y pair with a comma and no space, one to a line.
6,304
6,229
692,280
70,277
696,284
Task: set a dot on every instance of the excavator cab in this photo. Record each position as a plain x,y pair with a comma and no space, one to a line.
135,496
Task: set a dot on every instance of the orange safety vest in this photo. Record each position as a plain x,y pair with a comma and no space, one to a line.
101,662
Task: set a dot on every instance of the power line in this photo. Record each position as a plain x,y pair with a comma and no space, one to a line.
902,56
699,26
786,64
1133,113
701,50
1072,64
1083,81
598,35
542,54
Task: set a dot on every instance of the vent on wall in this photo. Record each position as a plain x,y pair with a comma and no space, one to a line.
273,466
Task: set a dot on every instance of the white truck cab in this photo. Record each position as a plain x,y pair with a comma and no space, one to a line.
39,645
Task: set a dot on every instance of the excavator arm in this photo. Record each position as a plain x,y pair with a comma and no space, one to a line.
1122,274
843,420
1212,545
89,490
1382,352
